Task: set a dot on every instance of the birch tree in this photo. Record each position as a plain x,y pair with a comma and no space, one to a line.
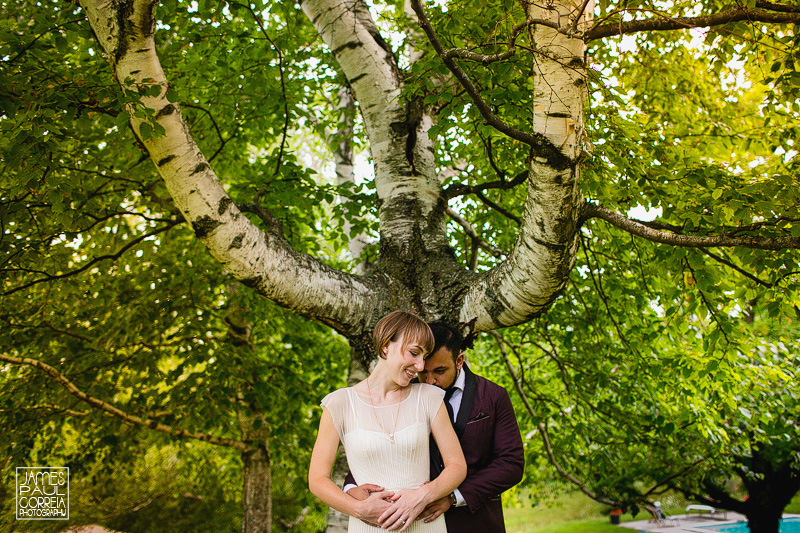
416,269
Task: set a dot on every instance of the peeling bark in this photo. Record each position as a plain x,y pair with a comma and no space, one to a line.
526,284
411,212
416,269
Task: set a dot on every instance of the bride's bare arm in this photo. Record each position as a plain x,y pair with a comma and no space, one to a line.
409,503
321,485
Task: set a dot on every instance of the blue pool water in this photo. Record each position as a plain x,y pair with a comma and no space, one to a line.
788,525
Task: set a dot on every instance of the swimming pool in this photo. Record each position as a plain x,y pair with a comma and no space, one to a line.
788,525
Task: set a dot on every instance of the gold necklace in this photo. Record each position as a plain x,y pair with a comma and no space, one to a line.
396,416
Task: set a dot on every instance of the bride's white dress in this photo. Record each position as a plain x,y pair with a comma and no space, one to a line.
371,454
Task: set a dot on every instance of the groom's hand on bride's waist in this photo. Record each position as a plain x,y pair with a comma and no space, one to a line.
362,492
373,509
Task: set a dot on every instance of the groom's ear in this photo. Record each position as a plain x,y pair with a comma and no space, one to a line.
460,360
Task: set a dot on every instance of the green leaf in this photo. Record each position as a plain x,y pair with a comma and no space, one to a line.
122,119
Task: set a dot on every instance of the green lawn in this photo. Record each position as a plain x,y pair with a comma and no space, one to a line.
569,513
576,513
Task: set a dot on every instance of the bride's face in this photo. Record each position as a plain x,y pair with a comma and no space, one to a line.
405,361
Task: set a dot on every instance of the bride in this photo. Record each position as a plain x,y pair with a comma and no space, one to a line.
384,424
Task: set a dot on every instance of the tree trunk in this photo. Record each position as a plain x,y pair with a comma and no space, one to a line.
256,491
769,494
770,485
765,520
256,467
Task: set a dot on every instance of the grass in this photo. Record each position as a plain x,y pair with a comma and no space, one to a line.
576,513
567,513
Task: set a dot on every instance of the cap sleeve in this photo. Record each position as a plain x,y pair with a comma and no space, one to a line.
336,404
432,400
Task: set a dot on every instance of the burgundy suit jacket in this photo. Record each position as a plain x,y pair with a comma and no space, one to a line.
489,435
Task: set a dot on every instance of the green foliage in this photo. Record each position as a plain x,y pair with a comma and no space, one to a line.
147,333
671,387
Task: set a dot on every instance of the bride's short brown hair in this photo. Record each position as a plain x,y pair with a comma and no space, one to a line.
401,323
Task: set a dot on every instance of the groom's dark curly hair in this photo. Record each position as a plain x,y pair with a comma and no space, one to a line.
446,335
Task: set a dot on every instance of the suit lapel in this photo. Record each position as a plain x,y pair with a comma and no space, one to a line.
467,399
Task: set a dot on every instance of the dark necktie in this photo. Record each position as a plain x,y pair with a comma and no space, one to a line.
447,395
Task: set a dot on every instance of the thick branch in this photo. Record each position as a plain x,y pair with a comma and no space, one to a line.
397,125
639,229
484,59
541,145
263,261
526,283
461,189
772,13
125,417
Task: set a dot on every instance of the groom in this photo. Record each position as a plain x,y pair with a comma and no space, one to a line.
487,429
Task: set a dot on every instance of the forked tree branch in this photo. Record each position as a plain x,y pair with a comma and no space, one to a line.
640,229
469,230
764,12
94,261
122,415
260,260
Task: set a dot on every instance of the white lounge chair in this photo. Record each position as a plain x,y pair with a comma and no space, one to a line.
703,510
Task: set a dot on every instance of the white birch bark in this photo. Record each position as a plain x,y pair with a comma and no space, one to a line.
402,153
418,273
263,261
530,279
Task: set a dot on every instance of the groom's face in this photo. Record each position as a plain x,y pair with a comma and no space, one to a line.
441,368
